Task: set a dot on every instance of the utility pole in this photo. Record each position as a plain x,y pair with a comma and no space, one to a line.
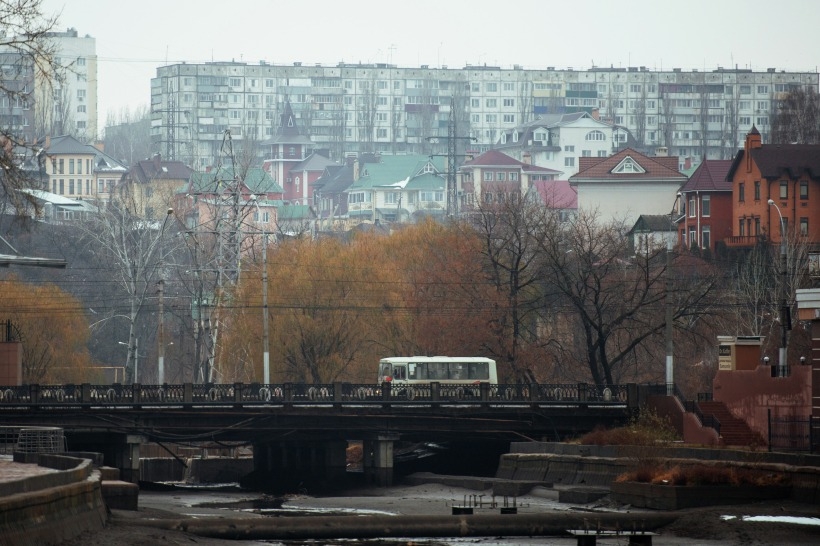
669,330
265,342
785,312
161,336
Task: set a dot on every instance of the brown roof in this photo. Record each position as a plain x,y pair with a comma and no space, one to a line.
711,175
601,167
494,158
156,169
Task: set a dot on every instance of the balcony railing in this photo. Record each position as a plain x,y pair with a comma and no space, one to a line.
744,241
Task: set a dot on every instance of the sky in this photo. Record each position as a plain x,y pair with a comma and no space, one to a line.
132,41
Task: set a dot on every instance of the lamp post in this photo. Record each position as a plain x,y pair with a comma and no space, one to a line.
265,340
161,332
670,358
784,309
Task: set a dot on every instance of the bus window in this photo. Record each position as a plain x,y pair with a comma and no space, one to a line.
479,370
400,373
457,371
411,371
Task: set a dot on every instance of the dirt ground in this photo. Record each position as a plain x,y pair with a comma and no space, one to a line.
705,526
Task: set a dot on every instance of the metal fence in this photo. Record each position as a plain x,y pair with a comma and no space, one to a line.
31,440
290,393
794,434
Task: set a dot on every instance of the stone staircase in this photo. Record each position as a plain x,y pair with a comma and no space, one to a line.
733,431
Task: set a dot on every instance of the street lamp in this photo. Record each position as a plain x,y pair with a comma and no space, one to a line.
670,358
136,357
161,333
785,319
265,341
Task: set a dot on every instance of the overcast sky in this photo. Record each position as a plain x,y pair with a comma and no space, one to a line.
134,38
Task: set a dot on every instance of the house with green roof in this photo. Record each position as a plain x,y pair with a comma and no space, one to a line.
398,188
256,193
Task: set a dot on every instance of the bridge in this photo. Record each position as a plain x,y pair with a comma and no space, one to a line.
289,423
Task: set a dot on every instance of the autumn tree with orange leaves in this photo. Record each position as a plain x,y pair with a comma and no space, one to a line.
54,334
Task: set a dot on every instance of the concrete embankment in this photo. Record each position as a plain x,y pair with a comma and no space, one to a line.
572,464
324,527
48,507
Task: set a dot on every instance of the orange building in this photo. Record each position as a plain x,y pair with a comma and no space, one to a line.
787,174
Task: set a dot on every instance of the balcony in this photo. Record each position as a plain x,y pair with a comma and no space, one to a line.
744,241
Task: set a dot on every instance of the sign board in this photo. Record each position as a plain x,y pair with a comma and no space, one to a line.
726,357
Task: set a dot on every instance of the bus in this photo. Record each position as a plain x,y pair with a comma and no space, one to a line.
451,370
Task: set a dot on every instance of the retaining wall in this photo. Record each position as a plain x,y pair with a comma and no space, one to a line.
573,464
52,508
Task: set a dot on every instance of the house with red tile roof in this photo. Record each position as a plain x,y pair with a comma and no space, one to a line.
627,184
494,177
705,218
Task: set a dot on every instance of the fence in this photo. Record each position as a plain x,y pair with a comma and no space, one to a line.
794,433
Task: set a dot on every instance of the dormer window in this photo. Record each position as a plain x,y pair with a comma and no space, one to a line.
628,166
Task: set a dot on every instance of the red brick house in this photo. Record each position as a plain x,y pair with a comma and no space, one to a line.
789,174
706,205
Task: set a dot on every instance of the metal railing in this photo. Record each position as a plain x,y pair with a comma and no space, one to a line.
705,420
300,393
793,433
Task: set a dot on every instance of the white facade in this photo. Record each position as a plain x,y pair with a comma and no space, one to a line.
74,93
383,108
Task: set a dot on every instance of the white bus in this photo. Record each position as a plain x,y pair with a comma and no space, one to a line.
451,370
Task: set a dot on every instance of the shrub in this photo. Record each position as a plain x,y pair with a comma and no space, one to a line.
702,474
646,429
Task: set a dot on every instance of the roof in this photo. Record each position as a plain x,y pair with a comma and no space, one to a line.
395,170
600,168
289,131
710,175
495,159
778,160
313,162
557,194
335,179
653,223
67,144
148,170
285,213
256,180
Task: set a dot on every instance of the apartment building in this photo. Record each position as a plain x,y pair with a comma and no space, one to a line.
55,103
383,108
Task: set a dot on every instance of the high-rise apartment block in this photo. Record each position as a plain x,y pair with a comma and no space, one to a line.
58,97
382,108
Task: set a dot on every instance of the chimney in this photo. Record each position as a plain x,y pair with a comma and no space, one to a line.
661,151
157,161
687,163
527,158
753,140
48,142
355,169
596,114
99,145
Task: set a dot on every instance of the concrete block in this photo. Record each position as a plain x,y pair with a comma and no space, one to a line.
109,473
119,495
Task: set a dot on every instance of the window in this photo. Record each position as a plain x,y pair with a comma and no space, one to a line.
741,228
804,226
71,186
692,206
509,86
488,176
80,95
491,118
510,118
693,237
501,177
569,162
381,133
762,89
431,196
492,103
513,177
705,237
475,103
81,109
804,189
745,89
705,205
235,82
635,88
741,193
586,153
595,135
492,87
757,190
569,148
509,103
392,197
71,169
784,190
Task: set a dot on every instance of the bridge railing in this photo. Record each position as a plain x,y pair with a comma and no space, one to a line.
300,393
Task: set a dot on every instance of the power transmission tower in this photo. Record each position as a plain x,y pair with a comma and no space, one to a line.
452,159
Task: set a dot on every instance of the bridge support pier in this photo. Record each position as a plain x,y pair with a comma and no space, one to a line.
128,457
291,465
378,460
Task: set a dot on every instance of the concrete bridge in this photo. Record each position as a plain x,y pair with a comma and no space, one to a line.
298,429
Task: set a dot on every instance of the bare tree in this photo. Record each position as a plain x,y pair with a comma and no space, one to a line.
666,118
796,119
731,124
128,135
29,60
612,300
136,250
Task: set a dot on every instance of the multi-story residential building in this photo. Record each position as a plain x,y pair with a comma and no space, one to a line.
556,141
627,184
387,109
153,183
789,176
495,177
705,217
59,102
79,171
